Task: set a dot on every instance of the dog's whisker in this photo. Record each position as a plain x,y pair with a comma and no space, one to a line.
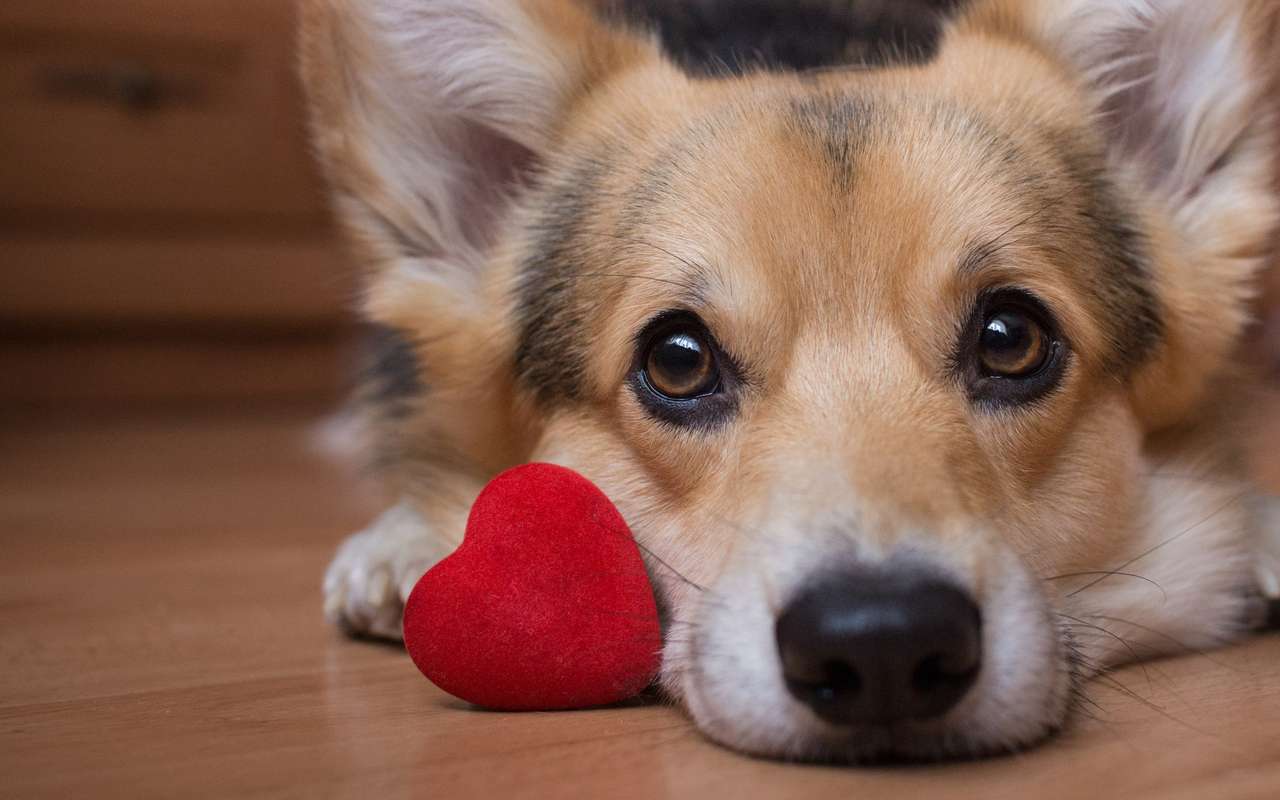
1172,639
1236,498
1111,572
1106,678
1117,637
661,561
1116,685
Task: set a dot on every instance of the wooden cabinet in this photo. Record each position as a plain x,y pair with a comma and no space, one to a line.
157,194
111,115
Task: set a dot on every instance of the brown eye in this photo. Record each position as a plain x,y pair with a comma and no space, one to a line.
680,364
1012,344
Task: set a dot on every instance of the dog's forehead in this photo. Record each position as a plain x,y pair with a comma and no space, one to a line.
829,197
864,192
850,192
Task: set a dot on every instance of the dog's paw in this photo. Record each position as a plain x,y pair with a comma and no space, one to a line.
1267,564
370,578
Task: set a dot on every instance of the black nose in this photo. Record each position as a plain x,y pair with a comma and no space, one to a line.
883,647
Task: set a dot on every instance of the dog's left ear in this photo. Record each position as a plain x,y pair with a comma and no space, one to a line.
431,116
1182,94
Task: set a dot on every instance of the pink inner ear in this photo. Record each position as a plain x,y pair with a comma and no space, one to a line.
493,168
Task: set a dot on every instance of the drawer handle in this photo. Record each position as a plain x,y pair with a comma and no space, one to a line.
133,87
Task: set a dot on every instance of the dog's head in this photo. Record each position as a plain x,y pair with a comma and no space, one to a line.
875,361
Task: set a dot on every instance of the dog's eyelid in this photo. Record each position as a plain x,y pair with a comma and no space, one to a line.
1024,298
666,317
695,315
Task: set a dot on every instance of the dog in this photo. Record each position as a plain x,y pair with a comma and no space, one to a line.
912,367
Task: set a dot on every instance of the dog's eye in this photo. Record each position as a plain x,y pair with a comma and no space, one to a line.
680,363
1012,344
1012,351
682,376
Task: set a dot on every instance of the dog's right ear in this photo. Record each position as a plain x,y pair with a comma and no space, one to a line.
429,115
1179,94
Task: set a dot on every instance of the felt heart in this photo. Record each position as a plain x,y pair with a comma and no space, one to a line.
546,604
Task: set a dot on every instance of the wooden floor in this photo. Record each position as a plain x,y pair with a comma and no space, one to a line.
161,636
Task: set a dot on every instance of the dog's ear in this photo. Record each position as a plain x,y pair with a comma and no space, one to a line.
429,116
1181,92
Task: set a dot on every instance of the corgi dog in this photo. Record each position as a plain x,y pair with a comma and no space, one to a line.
918,379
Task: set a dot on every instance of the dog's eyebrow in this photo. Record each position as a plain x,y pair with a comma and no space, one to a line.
979,254
693,282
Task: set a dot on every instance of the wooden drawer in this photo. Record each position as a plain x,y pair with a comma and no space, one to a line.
227,369
170,108
115,280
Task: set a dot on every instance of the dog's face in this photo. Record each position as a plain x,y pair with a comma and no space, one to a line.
873,361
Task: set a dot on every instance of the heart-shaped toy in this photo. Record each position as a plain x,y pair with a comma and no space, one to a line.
545,605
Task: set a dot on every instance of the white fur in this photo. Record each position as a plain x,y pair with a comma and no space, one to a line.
1194,551
370,578
1183,97
1183,67
445,92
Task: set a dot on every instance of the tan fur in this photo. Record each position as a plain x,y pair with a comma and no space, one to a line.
846,302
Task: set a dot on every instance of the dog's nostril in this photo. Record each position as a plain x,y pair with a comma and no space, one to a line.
880,647
834,683
935,674
928,674
841,677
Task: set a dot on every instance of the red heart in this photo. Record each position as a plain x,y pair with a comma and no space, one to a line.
545,605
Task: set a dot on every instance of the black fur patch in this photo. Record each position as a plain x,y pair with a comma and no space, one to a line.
551,350
392,377
1122,283
836,123
729,37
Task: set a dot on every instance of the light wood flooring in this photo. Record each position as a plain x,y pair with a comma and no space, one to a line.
161,636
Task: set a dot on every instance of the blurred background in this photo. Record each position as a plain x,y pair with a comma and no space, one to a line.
164,235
